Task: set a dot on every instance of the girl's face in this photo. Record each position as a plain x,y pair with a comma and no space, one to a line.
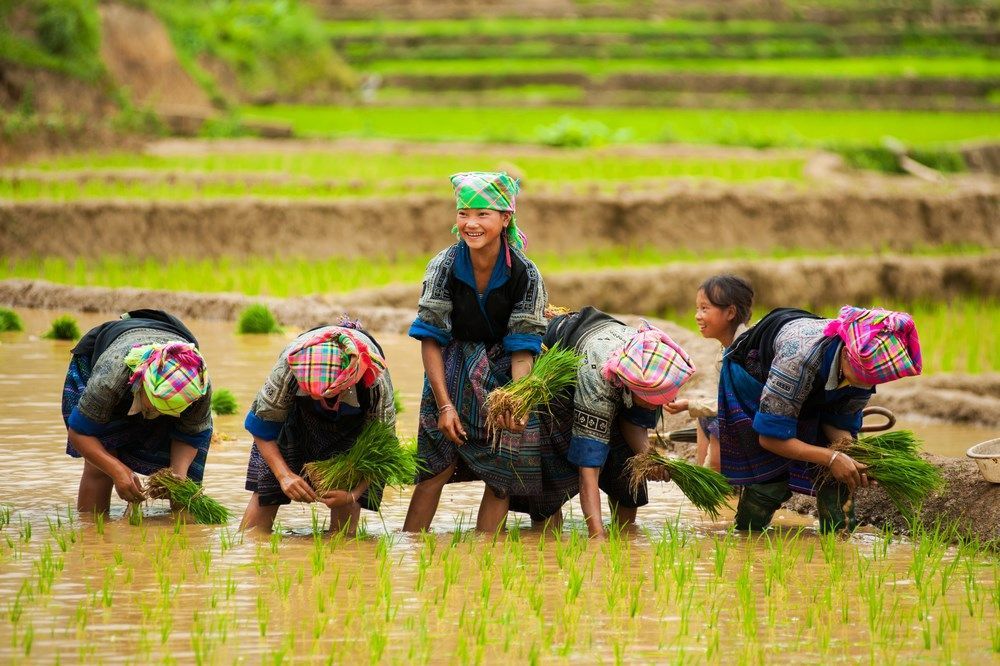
713,321
481,227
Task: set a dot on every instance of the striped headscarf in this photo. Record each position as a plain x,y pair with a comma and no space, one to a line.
492,190
173,375
650,365
332,361
881,345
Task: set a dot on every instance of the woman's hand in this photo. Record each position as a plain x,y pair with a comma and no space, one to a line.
451,425
510,422
297,489
337,498
849,471
676,407
128,486
658,474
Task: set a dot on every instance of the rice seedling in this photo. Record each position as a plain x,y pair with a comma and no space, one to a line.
63,328
258,320
376,457
707,489
893,461
553,373
10,321
188,495
223,402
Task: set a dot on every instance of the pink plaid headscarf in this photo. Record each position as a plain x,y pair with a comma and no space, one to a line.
332,361
881,345
172,375
650,365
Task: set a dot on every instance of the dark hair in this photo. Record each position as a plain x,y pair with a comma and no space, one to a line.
725,290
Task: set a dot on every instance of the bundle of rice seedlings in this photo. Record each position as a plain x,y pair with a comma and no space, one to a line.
893,461
10,321
554,372
63,328
706,488
376,457
223,402
258,319
189,495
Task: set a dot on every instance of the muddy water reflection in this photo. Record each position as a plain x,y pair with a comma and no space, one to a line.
75,592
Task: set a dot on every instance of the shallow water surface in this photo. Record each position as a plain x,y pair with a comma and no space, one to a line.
680,589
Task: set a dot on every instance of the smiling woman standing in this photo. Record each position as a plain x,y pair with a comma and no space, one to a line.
480,322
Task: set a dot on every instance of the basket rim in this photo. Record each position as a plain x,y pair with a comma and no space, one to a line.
990,449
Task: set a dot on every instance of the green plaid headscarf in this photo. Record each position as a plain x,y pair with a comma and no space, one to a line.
172,375
492,190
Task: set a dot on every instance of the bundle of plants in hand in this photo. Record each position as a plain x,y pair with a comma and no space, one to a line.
706,488
893,461
376,457
188,495
553,372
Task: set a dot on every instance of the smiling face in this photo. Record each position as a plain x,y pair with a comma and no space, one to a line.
481,227
714,321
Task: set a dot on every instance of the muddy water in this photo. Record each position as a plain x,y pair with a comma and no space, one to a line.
74,591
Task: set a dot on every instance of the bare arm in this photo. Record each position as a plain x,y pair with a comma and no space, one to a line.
127,484
293,485
590,500
182,455
448,421
843,467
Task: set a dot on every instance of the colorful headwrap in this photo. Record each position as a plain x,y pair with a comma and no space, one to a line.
172,374
881,345
332,361
492,190
650,365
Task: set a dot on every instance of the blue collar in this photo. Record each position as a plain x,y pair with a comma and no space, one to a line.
464,272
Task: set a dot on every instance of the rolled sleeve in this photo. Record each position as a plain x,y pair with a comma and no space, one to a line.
80,423
262,429
587,452
421,330
776,426
198,440
528,314
515,342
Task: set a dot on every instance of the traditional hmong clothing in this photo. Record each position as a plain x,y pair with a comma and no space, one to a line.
780,379
704,408
100,385
581,429
297,408
478,334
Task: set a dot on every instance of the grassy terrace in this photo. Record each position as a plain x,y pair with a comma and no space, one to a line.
867,67
749,127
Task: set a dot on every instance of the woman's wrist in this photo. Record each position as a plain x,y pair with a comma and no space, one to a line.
833,458
445,407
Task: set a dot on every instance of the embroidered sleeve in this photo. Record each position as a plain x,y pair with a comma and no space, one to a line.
797,360
194,425
383,406
595,406
108,383
273,402
434,308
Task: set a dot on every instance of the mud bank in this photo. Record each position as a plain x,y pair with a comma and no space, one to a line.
829,281
889,214
968,399
967,501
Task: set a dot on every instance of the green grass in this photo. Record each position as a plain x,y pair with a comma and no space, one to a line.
360,167
63,327
286,277
749,127
813,68
257,320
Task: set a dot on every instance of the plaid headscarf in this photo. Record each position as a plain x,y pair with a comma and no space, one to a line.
172,374
332,361
881,345
650,365
495,191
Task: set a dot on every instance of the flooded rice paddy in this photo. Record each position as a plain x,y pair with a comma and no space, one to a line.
680,589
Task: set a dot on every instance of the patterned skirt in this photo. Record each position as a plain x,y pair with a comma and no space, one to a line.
744,461
142,445
561,479
510,466
307,437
